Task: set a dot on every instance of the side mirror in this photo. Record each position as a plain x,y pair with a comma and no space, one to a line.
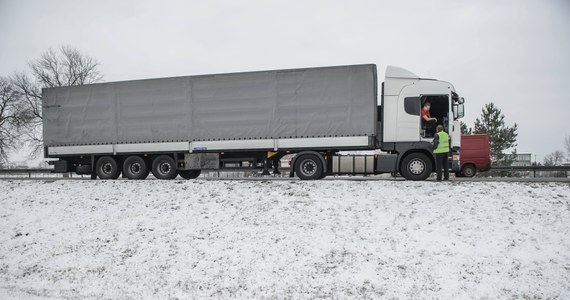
458,111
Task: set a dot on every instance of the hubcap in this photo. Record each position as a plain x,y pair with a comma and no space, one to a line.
164,168
107,168
308,167
135,168
416,167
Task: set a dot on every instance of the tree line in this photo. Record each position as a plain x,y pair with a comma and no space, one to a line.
21,95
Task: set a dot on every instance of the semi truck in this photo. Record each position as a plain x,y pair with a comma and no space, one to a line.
248,121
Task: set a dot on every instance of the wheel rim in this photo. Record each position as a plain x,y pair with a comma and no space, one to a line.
416,167
468,172
107,168
308,167
164,167
135,168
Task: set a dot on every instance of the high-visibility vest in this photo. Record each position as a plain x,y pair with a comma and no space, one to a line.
443,146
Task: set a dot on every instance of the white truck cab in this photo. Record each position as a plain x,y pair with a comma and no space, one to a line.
404,93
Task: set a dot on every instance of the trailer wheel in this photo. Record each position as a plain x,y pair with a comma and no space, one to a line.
190,174
107,168
164,167
135,167
309,167
416,166
468,171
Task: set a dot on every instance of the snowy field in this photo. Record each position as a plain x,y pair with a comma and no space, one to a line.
283,239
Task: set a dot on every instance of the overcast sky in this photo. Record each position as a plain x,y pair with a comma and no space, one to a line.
515,53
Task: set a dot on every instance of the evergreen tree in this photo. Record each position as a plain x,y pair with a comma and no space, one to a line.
501,137
464,128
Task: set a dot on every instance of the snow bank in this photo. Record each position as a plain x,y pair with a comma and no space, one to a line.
284,239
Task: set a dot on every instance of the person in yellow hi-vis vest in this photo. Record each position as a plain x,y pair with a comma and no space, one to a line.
441,151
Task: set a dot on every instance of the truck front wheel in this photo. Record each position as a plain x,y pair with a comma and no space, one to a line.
416,166
164,167
309,167
107,168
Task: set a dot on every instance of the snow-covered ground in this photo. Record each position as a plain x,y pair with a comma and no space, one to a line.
284,239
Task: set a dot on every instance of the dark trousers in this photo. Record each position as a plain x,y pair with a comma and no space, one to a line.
441,163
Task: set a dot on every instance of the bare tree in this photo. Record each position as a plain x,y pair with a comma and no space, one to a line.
30,94
567,145
65,67
13,116
555,158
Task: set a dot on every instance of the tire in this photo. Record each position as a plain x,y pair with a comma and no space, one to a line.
309,167
190,174
416,166
83,170
135,167
468,171
107,168
164,167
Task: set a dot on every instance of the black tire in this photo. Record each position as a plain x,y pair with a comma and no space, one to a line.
416,166
83,170
107,168
309,167
468,171
190,174
164,167
135,167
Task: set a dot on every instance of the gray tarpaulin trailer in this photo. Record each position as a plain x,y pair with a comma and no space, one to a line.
183,125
